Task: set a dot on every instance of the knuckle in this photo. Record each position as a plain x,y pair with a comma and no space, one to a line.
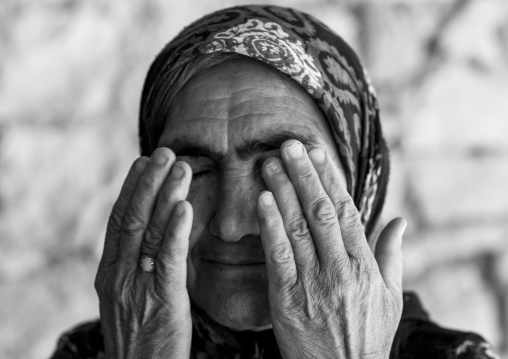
354,236
339,267
346,208
361,272
305,173
371,270
282,254
150,248
286,281
354,239
153,235
145,184
131,231
298,228
309,269
133,224
323,210
339,264
373,276
284,276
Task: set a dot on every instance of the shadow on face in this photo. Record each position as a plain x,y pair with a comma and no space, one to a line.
225,122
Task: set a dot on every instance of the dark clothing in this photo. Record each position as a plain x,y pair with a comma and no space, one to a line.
417,338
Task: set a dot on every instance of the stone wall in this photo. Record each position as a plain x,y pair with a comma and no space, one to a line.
70,77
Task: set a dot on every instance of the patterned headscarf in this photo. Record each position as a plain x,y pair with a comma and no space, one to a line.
311,54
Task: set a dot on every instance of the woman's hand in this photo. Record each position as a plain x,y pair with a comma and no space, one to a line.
329,296
147,314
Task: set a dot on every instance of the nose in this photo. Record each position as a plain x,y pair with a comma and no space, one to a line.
235,215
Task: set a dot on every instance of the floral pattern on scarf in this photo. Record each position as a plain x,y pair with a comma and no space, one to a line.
268,42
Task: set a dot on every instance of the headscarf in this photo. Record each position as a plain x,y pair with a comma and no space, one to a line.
309,52
321,62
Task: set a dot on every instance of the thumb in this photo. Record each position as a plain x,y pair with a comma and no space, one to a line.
389,255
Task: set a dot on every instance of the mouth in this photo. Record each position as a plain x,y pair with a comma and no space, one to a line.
244,270
237,263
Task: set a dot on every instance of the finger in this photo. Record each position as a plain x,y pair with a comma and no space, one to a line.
279,255
174,190
351,227
293,217
318,207
171,263
389,255
140,207
110,251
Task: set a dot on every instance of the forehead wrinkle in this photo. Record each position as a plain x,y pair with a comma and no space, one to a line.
255,112
249,99
277,95
193,133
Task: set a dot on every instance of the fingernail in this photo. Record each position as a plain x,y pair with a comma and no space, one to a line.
294,150
160,157
177,171
140,165
267,198
273,166
180,208
317,155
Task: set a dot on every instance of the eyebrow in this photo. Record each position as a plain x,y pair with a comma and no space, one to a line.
274,142
182,147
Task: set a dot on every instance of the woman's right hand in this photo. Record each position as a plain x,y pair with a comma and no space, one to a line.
147,314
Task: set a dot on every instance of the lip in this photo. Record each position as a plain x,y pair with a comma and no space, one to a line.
240,263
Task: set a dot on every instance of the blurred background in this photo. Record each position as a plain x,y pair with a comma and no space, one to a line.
71,73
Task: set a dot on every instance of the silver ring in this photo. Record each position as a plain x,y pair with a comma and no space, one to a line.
147,263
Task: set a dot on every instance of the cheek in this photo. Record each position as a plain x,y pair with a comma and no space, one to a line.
202,197
339,166
334,157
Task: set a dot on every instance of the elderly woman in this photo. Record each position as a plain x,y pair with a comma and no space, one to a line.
245,229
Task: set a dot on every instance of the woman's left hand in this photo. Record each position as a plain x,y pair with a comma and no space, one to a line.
330,297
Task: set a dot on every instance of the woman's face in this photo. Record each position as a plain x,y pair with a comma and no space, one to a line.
225,123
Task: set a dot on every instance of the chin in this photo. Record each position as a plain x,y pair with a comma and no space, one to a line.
236,308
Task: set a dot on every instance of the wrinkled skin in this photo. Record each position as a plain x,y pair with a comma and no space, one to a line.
328,297
252,246
147,315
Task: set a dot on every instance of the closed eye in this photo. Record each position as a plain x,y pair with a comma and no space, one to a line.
196,175
201,166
